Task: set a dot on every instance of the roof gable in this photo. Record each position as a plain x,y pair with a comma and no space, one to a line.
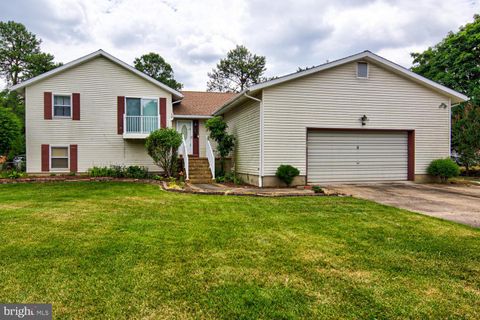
365,56
91,56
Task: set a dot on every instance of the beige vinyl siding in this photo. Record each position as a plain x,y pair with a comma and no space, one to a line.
99,82
244,123
336,98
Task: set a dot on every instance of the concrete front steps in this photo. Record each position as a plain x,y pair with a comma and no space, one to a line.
199,170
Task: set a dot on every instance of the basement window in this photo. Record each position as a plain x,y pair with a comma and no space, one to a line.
59,158
362,70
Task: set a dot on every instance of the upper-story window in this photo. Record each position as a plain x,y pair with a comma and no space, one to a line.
362,70
62,106
141,115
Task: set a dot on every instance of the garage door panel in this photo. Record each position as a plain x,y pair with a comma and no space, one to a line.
341,156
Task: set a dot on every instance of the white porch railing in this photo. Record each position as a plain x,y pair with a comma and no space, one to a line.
140,124
183,150
210,157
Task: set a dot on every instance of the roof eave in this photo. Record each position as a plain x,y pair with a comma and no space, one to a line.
88,57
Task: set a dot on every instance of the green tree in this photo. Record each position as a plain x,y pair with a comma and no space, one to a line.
10,130
466,135
156,67
225,141
455,63
162,146
12,101
238,71
20,55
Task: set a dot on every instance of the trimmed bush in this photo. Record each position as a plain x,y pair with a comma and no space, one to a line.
134,172
162,146
287,173
444,169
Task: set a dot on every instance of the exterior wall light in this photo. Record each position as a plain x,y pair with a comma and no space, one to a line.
442,106
364,120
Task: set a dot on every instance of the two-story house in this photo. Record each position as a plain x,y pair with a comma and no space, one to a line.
360,118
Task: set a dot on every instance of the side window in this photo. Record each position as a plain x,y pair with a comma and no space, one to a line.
62,106
362,70
59,158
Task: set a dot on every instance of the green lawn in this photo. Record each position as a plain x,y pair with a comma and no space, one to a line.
120,250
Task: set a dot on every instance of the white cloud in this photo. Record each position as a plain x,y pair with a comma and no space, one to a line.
193,35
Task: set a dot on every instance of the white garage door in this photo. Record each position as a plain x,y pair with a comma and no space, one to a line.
349,156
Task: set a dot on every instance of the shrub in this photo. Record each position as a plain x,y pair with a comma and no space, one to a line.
317,189
229,177
287,173
100,172
162,146
225,141
12,174
444,169
136,172
116,171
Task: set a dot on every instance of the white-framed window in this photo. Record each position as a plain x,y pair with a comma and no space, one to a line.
62,106
147,107
141,114
59,158
362,70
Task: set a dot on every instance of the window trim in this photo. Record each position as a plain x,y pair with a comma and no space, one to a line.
67,169
141,109
53,105
368,70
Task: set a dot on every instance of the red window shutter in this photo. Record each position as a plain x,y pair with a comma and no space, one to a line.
163,112
45,157
120,112
73,158
47,105
76,106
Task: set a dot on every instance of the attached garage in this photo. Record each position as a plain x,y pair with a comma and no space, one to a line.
358,155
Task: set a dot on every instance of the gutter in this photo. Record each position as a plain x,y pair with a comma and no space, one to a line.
191,116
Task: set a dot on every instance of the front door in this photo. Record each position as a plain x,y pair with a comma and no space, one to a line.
185,128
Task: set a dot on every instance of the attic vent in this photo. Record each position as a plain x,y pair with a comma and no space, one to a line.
362,70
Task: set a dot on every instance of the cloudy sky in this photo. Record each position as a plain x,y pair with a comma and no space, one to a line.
194,35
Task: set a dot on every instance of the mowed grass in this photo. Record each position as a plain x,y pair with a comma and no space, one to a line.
118,250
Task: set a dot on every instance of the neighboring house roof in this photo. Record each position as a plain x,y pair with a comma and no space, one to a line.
366,56
200,103
177,95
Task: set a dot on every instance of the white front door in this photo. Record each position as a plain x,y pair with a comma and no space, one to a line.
185,128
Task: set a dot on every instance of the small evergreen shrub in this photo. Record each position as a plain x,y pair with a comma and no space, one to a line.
287,173
317,189
444,169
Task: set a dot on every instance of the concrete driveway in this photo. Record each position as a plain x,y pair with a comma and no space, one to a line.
459,203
